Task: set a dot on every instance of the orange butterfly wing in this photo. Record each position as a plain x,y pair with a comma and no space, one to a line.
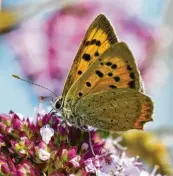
115,68
98,38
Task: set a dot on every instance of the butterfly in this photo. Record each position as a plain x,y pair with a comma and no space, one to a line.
104,88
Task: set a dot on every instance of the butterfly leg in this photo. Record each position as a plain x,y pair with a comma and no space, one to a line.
84,128
62,122
90,143
65,123
79,123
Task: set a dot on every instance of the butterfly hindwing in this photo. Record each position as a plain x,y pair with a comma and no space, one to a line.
114,69
115,110
99,37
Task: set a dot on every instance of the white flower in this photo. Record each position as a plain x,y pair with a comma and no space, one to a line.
131,170
75,161
23,151
90,166
110,168
46,133
99,173
144,173
43,154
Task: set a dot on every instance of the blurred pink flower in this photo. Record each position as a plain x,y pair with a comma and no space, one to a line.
47,47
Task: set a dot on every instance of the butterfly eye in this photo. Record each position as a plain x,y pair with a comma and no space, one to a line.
57,105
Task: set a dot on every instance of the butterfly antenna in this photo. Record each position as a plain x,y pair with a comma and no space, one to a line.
50,111
17,77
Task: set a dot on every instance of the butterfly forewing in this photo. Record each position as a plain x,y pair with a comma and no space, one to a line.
115,110
114,69
99,37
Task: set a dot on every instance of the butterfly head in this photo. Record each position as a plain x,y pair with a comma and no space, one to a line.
58,103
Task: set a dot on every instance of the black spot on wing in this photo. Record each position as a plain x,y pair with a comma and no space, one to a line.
79,72
96,53
80,94
87,43
93,42
117,78
110,74
114,66
98,43
86,57
131,84
129,67
88,84
108,63
132,75
113,86
99,73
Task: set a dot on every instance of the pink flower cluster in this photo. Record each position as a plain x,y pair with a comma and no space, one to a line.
23,151
50,149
